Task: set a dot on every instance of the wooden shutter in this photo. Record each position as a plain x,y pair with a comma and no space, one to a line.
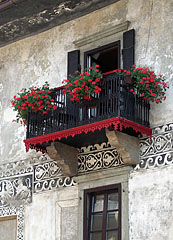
128,49
73,62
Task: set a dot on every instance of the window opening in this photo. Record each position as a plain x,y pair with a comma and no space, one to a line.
107,56
103,214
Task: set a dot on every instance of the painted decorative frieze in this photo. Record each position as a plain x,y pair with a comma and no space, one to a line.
163,128
98,157
15,191
22,166
159,151
48,176
18,180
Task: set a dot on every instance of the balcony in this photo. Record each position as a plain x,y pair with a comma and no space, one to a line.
76,124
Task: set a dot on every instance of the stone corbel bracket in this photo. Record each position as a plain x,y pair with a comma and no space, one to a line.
127,146
66,157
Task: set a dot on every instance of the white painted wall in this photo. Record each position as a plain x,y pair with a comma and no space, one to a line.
53,215
151,204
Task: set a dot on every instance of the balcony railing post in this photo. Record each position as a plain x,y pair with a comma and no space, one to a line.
28,125
118,95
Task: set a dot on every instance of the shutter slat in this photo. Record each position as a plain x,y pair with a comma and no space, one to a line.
128,49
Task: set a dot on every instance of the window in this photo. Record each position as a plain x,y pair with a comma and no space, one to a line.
8,228
107,56
102,213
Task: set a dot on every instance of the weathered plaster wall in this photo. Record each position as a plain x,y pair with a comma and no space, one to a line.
52,215
43,57
151,204
154,43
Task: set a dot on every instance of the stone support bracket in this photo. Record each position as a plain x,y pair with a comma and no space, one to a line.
127,146
66,157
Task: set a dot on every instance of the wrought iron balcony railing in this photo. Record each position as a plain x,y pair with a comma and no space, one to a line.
115,100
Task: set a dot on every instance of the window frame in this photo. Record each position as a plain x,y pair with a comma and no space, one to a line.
87,213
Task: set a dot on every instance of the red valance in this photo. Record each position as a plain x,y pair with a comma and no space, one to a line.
118,122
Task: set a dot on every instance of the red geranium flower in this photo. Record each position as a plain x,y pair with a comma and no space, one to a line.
81,85
154,87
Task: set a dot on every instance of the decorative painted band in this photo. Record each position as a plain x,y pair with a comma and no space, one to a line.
117,122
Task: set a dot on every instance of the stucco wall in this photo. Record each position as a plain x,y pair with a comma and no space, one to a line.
43,57
52,215
151,204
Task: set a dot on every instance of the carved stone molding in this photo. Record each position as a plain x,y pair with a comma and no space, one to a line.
103,34
15,211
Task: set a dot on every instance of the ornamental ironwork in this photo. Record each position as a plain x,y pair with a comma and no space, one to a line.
114,106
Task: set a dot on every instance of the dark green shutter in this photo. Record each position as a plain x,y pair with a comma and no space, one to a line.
128,49
73,62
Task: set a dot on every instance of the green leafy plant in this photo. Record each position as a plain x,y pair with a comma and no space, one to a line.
146,83
83,85
33,99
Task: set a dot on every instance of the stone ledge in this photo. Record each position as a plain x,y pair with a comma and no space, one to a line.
122,171
103,34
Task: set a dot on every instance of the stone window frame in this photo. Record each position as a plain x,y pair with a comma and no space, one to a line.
103,178
106,36
16,212
67,199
